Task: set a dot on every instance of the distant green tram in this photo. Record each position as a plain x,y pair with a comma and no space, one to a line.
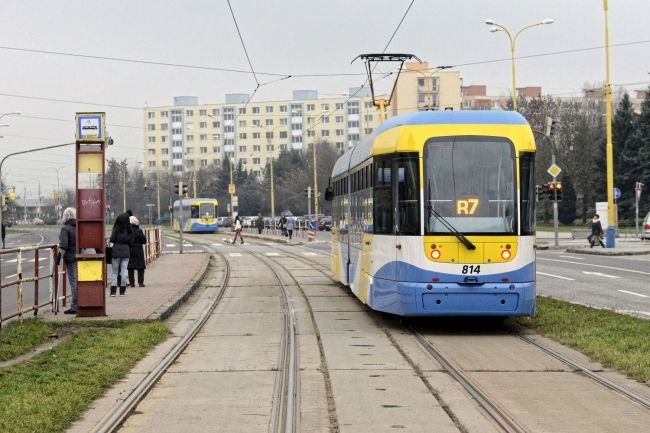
198,215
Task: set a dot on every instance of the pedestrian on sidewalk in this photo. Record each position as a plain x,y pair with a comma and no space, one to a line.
68,251
259,223
596,236
237,226
290,226
136,260
122,240
283,225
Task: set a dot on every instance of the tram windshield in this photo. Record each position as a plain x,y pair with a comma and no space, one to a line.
470,182
207,210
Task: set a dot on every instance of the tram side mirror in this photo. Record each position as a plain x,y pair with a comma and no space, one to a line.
329,195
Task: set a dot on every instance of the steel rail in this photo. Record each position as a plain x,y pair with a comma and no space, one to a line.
632,395
285,405
503,419
119,414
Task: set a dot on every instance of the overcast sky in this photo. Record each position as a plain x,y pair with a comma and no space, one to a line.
282,37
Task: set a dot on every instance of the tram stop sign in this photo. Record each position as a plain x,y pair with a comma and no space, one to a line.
554,170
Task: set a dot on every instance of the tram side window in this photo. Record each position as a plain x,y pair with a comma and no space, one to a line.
408,195
194,211
527,181
383,197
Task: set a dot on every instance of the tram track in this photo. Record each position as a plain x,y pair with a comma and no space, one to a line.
113,420
501,417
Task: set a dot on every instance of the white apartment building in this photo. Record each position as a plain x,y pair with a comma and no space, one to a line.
187,135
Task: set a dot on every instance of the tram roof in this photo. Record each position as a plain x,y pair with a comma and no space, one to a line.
468,117
188,201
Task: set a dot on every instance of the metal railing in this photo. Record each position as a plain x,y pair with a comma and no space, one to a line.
26,276
153,247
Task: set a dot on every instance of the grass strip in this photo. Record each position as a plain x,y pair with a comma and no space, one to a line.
615,340
18,338
49,392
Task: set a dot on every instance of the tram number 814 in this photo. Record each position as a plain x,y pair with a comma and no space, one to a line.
471,269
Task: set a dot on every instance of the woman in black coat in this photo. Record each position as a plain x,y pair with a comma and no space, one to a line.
136,261
122,239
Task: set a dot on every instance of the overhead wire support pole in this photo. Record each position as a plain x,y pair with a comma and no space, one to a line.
2,194
611,228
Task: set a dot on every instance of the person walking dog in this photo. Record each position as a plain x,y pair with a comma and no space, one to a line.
136,260
68,251
122,239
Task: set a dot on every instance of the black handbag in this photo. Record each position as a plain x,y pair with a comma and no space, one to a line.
109,255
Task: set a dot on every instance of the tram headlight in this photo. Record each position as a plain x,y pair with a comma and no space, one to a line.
435,254
506,254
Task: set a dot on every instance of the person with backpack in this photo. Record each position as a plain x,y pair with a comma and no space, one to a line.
122,240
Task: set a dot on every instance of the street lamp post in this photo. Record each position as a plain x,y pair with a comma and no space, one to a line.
513,40
57,195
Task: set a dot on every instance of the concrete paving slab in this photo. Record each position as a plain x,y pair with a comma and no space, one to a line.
336,303
309,352
414,351
257,304
272,291
305,281
386,401
367,352
306,273
226,402
314,417
495,353
563,402
355,323
251,281
325,290
230,353
462,406
244,325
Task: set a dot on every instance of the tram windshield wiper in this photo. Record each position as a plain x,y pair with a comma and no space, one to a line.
461,237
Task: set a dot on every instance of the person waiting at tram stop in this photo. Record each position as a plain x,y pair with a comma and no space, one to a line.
596,236
136,260
122,240
68,252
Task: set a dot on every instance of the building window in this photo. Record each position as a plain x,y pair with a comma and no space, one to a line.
204,137
203,125
151,115
164,114
177,143
216,137
177,118
216,124
269,108
216,149
228,116
151,151
203,149
189,151
269,122
228,129
283,134
189,113
189,138
420,98
217,161
177,131
163,138
310,133
353,110
242,136
283,147
242,148
297,139
296,126
242,110
325,133
311,107
368,117
325,119
152,164
152,139
204,163
215,111
165,164
325,107
269,134
339,105
242,124
353,124
177,155
256,148
151,127
283,108
203,112
420,82
256,122
339,133
339,119
189,163
164,151
256,110
256,161
164,126
256,135
283,122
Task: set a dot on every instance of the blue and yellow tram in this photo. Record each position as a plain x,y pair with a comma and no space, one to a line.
433,215
198,215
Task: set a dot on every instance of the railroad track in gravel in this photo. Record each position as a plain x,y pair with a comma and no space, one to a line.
118,415
492,408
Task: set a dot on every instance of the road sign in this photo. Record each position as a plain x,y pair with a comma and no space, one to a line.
231,188
617,193
235,200
554,170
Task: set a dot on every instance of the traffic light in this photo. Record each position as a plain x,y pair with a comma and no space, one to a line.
551,126
550,189
539,192
558,191
308,192
184,189
177,187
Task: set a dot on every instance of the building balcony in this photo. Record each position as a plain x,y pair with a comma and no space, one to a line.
297,146
228,135
353,130
177,124
177,162
228,122
296,119
177,136
296,133
228,147
353,117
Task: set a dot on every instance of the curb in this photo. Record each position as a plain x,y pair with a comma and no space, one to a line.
166,310
603,253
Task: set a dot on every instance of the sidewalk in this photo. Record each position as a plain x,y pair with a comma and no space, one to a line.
625,246
169,280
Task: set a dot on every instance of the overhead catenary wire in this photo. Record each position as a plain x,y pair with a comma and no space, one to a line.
232,13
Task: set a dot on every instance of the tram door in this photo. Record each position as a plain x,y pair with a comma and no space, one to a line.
406,202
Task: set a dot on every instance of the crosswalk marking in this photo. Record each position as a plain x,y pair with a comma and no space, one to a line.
235,254
216,245
170,245
310,254
272,254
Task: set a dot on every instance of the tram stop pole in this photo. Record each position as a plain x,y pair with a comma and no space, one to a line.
90,152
